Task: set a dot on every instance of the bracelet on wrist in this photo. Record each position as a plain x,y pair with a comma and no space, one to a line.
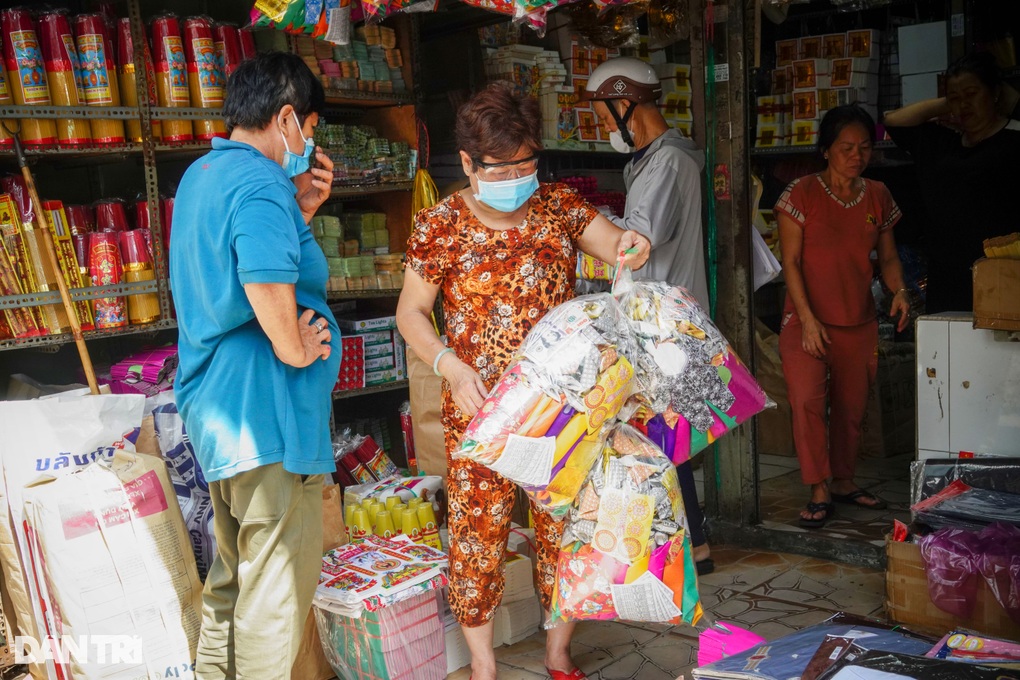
901,290
435,362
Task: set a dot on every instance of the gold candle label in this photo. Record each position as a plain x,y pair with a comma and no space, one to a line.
31,70
178,67
95,78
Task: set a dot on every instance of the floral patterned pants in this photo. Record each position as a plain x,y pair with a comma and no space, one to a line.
480,505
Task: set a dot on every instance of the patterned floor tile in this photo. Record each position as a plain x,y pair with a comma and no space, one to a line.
743,570
830,586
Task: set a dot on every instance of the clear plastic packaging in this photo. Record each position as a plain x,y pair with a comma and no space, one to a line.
540,425
404,641
689,373
626,552
931,477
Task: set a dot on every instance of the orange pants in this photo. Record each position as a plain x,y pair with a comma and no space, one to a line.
843,375
480,505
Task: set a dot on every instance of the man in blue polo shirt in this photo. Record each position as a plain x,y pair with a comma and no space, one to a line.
259,354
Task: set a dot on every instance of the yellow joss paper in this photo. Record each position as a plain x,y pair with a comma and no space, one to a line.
611,390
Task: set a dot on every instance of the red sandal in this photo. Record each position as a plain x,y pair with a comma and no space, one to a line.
576,674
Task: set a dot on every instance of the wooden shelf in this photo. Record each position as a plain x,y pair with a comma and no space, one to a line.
375,389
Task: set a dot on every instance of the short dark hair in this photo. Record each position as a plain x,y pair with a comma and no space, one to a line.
497,122
982,65
838,118
261,86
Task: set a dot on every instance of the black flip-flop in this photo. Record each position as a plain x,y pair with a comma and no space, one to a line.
705,566
813,508
853,497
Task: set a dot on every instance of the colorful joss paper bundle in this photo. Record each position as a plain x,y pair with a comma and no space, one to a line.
541,424
696,388
626,553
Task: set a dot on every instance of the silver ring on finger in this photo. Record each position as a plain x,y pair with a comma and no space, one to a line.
319,326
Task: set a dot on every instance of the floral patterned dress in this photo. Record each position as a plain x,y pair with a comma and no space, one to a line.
496,285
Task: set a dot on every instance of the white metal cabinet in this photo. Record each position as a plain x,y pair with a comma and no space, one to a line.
968,389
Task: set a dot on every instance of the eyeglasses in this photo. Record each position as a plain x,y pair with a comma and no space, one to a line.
497,172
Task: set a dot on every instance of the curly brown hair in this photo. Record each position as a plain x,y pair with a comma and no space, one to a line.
497,122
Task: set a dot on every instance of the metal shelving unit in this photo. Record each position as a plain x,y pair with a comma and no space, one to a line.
363,294
359,190
807,149
375,389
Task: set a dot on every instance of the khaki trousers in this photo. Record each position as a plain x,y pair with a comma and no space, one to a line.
268,526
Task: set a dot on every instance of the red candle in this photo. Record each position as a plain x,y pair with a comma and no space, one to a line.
99,74
26,74
228,47
80,219
171,75
111,216
105,269
247,45
205,79
63,71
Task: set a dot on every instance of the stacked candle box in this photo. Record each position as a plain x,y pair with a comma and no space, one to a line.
813,75
581,60
356,246
676,100
385,359
352,364
371,62
361,156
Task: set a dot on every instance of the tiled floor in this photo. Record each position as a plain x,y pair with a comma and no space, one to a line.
771,594
783,495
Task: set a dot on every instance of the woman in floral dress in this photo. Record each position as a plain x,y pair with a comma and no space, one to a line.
503,253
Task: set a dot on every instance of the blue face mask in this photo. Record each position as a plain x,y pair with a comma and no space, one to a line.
508,195
294,164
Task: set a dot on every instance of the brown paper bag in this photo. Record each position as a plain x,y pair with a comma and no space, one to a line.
311,662
426,390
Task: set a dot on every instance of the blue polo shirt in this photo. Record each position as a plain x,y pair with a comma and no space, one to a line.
236,221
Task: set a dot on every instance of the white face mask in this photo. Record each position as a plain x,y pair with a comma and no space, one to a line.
616,141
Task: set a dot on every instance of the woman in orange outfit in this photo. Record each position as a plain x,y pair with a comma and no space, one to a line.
829,224
503,253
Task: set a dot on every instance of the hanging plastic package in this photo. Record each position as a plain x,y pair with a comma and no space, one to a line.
540,426
626,551
691,376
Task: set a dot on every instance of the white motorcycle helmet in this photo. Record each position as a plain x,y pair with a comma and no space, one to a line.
624,78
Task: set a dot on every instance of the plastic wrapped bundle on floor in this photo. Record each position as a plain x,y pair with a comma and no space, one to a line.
626,551
112,560
696,389
404,641
377,612
541,424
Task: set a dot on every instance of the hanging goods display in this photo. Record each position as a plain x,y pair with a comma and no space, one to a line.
63,73
205,79
26,75
171,75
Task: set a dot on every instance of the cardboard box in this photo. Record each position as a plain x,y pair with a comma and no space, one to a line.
382,323
377,338
908,602
923,48
918,87
997,294
786,52
381,363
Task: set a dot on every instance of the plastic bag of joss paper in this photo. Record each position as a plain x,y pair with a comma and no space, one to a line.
541,425
626,552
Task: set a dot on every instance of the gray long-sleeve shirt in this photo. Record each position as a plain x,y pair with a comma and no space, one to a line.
664,204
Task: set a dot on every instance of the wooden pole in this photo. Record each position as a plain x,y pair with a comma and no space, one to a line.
51,253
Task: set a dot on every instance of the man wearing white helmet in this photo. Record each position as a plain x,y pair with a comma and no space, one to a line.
663,178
